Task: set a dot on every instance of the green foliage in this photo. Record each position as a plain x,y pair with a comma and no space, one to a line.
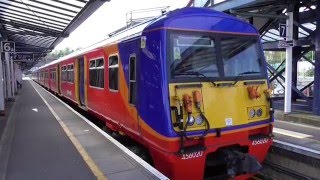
274,57
60,53
310,55
310,72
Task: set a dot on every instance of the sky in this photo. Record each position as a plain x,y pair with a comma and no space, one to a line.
110,17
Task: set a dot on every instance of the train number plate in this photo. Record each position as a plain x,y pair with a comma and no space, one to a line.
192,155
260,141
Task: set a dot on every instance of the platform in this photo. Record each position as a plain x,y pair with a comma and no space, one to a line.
298,132
45,139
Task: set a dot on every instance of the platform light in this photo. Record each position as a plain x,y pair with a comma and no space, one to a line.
252,113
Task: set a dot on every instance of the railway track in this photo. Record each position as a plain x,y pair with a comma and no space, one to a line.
276,169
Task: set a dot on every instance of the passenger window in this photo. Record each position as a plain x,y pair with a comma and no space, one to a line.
96,73
68,73
132,78
64,73
53,74
71,73
113,73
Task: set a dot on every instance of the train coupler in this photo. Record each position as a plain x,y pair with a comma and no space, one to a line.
241,163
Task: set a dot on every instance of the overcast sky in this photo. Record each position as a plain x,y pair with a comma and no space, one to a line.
110,17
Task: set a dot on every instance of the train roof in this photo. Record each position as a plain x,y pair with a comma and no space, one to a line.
174,20
197,18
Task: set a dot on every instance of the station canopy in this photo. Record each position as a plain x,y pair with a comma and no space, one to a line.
268,15
37,26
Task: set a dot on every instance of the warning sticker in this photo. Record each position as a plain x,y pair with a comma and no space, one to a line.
228,121
176,53
143,42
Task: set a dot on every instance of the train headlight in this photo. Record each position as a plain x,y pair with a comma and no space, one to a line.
199,120
191,120
252,113
259,112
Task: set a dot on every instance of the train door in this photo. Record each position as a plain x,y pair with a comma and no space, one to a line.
133,91
81,84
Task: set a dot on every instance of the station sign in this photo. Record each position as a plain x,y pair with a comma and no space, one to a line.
282,30
22,56
285,44
7,46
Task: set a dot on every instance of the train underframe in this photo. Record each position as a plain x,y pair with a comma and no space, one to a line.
220,158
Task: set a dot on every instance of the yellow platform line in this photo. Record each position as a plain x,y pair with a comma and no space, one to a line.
91,164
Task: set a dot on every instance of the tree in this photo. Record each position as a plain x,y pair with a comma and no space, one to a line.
274,57
60,53
310,72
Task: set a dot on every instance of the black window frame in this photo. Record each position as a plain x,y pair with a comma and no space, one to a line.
53,74
113,66
70,73
95,71
64,73
132,81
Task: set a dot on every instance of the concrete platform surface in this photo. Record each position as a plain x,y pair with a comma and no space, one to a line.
45,139
294,132
298,117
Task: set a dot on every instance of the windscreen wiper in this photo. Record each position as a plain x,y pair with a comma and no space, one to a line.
197,74
241,74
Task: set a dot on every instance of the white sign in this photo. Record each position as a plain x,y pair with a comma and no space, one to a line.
282,30
229,121
7,46
285,44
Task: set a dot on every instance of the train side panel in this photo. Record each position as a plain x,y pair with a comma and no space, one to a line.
112,103
67,87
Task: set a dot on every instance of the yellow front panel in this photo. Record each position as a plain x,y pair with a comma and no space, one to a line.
222,106
223,103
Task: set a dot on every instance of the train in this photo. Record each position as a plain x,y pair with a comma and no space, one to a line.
191,86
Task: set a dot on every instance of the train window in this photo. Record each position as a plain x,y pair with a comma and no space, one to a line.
64,73
100,72
113,72
92,63
53,74
67,72
240,55
132,78
46,75
92,73
193,54
96,73
70,73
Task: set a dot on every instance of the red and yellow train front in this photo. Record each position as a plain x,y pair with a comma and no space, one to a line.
220,105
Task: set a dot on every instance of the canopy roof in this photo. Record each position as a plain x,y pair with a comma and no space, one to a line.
37,26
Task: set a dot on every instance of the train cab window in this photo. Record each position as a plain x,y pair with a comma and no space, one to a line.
241,56
193,56
113,72
132,78
96,73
